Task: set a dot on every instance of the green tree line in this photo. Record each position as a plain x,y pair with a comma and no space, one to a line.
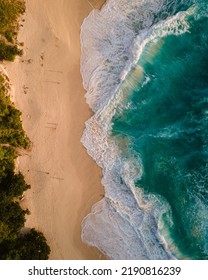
10,11
14,244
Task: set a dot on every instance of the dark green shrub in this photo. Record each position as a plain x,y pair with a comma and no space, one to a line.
31,246
8,52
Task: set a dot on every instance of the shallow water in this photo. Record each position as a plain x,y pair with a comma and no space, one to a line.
148,85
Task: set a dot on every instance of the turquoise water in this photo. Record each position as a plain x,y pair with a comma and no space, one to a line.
165,123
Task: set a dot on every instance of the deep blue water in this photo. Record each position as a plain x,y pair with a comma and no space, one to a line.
166,125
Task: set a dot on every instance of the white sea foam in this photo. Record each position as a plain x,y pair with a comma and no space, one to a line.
124,224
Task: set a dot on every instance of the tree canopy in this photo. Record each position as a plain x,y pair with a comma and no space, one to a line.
13,244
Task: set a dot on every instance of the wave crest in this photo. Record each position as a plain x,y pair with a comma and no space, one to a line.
125,224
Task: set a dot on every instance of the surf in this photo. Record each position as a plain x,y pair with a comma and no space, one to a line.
128,223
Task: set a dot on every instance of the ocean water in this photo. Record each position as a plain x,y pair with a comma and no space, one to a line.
144,67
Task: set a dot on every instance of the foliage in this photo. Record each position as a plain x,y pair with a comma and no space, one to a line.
11,131
10,12
15,137
12,216
7,156
13,245
12,185
30,246
8,52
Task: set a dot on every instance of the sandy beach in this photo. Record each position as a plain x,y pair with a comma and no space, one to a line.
65,182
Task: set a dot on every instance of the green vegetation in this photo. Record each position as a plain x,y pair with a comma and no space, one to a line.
8,52
10,11
13,243
30,246
10,124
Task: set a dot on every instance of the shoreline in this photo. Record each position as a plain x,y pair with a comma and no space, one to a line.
50,95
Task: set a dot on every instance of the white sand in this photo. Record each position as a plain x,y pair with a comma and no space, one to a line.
48,90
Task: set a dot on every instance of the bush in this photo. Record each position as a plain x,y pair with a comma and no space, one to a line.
10,12
31,246
12,185
8,52
13,245
13,217
11,131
